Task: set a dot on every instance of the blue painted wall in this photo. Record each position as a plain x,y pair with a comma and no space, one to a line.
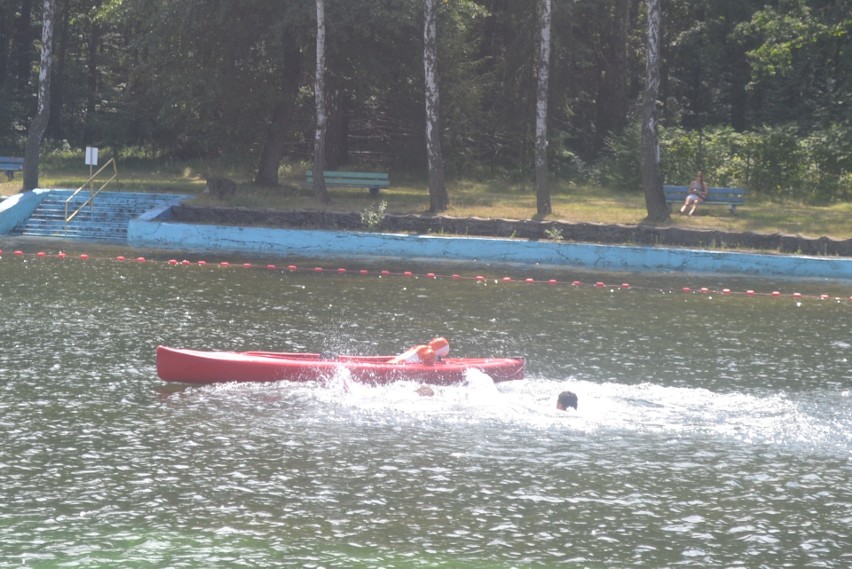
18,207
154,230
156,233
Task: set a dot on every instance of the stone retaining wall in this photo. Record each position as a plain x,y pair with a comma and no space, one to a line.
524,229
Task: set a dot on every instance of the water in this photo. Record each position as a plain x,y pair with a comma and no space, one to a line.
713,430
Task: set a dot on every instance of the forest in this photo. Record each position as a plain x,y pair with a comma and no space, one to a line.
754,92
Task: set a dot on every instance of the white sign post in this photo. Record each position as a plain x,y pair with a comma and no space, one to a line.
91,156
91,161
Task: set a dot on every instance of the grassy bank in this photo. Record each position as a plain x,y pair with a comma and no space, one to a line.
469,198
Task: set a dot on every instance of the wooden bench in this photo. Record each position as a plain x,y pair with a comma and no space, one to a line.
10,165
372,180
731,197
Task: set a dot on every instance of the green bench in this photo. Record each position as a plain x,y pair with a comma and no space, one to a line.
731,197
10,165
372,180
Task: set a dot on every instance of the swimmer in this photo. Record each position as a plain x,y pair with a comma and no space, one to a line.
566,399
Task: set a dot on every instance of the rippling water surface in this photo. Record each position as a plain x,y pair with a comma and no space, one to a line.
713,430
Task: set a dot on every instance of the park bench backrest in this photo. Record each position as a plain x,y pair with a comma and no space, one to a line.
11,163
352,179
735,196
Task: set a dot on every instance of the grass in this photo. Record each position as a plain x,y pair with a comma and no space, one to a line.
469,198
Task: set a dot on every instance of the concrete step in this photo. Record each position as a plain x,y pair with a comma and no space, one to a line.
106,220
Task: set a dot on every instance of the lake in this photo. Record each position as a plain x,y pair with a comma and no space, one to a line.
713,429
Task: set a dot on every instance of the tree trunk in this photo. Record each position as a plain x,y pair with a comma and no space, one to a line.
542,188
276,134
39,122
91,82
320,191
652,185
438,198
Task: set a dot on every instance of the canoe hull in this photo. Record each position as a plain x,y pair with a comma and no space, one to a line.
197,366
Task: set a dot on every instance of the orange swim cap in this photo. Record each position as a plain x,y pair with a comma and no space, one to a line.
440,346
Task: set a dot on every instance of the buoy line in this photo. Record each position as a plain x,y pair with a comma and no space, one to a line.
292,268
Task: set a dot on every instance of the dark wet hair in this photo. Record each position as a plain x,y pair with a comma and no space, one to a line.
567,399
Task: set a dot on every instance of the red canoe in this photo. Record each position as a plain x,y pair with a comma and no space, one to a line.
196,366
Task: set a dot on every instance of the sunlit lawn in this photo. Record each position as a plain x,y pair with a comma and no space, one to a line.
487,199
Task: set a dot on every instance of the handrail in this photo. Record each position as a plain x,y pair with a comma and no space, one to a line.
92,194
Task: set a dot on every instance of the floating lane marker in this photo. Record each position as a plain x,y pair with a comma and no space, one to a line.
434,276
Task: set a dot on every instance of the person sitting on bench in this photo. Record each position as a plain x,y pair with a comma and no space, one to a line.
697,193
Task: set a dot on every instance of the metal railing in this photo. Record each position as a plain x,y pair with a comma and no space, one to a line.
92,192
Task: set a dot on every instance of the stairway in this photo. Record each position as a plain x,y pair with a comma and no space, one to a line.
106,221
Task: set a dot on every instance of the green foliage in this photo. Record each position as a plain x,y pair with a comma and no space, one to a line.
372,216
554,234
755,93
620,165
776,162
